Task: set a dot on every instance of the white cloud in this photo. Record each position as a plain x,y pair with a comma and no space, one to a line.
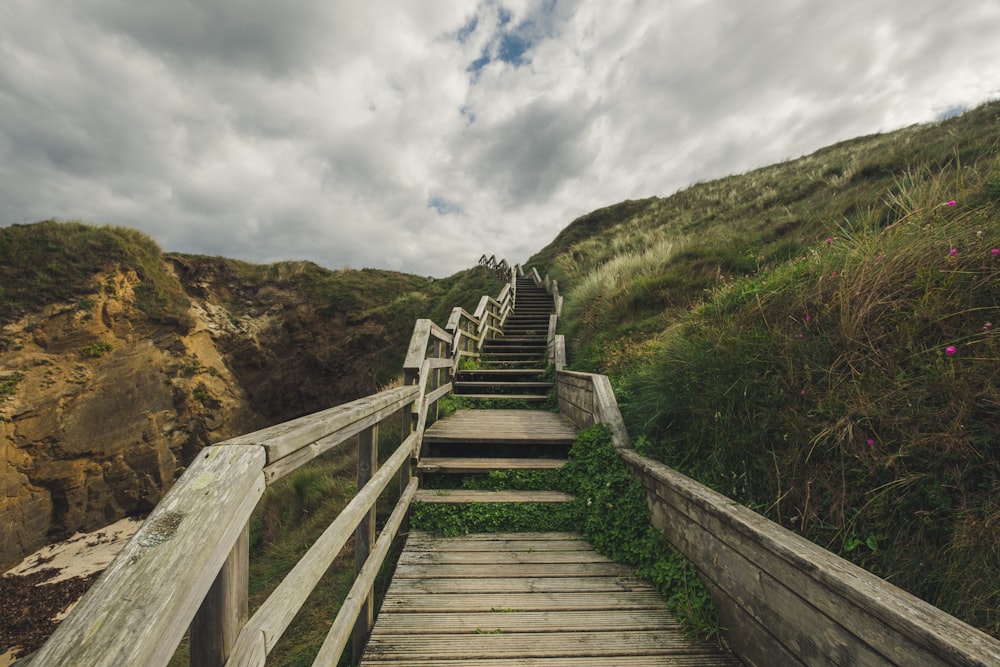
360,134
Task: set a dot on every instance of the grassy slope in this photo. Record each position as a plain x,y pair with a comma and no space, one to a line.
785,336
49,262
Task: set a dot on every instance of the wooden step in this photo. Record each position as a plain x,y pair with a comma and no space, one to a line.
504,372
462,465
507,397
493,384
463,497
503,426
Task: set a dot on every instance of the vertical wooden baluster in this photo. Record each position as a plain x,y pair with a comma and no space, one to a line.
364,536
224,611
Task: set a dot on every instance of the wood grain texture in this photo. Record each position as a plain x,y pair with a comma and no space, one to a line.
277,612
141,606
462,496
502,426
590,618
224,610
460,465
817,606
285,439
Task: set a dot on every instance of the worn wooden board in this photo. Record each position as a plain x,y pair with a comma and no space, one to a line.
420,542
461,465
589,615
500,556
522,570
512,584
812,602
462,496
669,660
141,606
502,426
285,439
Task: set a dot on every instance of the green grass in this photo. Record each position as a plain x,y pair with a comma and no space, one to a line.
804,339
609,511
50,262
9,383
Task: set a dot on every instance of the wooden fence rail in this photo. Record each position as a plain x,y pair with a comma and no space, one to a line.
187,565
169,577
783,599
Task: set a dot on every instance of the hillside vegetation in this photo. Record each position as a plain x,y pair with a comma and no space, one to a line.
818,340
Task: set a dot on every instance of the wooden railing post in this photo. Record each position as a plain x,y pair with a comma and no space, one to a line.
364,536
224,611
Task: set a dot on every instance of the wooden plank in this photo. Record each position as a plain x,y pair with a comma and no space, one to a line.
141,606
425,542
852,613
511,584
504,557
479,465
284,439
462,496
364,535
274,615
499,535
417,350
508,619
438,333
669,660
360,594
439,393
481,602
224,610
536,645
526,570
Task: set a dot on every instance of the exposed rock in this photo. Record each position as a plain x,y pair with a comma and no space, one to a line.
111,406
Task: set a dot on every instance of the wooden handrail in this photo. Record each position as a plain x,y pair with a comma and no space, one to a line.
783,599
169,573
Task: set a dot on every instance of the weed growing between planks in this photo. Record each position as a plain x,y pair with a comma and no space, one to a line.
610,511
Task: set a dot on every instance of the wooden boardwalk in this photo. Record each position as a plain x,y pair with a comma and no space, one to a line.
513,599
505,426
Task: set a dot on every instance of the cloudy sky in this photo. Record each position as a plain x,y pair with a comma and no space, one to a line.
417,135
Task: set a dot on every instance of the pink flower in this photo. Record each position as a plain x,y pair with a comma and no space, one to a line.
995,252
829,239
987,326
952,202
953,252
950,350
833,274
802,393
809,318
871,443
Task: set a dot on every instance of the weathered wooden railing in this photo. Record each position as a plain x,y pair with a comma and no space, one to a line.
782,599
500,268
187,566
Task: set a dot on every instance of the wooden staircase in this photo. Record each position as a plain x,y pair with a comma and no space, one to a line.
482,441
513,365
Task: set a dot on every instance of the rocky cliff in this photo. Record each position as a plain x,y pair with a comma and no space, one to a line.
101,405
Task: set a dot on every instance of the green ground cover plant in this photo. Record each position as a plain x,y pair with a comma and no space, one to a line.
609,511
49,262
832,360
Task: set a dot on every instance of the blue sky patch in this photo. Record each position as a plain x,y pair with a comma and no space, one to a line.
466,30
951,112
443,206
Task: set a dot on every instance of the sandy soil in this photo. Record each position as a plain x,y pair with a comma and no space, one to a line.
39,592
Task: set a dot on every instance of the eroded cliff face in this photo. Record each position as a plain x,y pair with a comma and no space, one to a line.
105,407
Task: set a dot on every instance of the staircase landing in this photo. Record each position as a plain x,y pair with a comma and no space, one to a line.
506,599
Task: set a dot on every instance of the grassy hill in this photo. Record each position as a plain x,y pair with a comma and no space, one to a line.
818,339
